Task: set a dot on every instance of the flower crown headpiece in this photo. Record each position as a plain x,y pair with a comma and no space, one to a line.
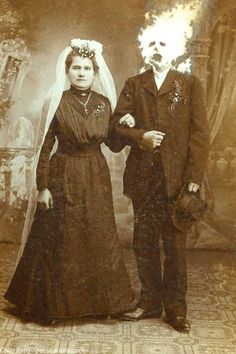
86,48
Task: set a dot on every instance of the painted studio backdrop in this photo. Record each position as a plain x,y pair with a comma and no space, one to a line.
32,34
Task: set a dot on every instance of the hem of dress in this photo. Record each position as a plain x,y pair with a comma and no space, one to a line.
46,317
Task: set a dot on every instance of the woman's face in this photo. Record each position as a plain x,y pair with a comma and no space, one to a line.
81,72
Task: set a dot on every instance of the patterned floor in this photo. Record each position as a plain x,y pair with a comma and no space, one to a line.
212,311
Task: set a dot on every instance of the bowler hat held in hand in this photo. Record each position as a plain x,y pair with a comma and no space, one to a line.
187,209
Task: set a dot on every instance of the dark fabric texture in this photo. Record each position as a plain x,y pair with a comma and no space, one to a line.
154,179
184,150
152,224
72,264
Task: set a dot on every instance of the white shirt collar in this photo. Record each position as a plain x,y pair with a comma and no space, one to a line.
160,77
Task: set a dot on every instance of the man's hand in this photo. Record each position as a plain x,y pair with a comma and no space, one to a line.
45,199
127,120
152,139
193,187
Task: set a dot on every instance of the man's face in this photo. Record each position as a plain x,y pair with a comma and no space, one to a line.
158,54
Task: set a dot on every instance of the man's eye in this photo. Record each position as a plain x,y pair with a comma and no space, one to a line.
162,44
151,44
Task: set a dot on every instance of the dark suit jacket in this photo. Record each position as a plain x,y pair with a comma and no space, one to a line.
184,150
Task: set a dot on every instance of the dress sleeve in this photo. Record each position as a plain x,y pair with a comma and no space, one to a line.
42,171
114,141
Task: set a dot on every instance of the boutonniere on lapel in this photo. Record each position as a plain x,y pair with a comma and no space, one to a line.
176,96
99,110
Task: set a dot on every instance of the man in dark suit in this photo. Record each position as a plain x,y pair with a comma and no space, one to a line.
169,148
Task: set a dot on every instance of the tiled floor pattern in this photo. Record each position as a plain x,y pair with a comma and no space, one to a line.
212,312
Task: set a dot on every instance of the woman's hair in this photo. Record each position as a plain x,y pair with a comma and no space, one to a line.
75,53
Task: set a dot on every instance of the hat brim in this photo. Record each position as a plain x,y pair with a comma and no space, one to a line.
182,219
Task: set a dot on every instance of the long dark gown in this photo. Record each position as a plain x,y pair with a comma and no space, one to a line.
72,263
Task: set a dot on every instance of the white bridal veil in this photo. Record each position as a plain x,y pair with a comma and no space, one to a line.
103,83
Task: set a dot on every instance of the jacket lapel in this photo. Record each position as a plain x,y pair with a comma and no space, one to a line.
149,83
168,83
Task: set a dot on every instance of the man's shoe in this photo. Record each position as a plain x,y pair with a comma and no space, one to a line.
180,324
138,314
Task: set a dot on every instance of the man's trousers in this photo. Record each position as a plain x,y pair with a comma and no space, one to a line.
161,285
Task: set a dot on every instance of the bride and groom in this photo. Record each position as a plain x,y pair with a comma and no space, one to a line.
72,263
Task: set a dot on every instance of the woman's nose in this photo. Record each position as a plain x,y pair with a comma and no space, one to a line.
81,73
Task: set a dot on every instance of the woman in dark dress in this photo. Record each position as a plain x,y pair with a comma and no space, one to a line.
72,263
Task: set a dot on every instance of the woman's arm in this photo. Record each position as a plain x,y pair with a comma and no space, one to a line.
42,171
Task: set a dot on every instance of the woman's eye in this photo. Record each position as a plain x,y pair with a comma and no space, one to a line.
162,44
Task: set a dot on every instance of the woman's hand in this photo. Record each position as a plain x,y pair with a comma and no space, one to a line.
127,120
45,199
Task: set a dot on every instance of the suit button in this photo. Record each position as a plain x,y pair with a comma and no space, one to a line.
151,163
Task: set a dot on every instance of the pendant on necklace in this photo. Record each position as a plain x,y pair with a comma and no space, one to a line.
84,104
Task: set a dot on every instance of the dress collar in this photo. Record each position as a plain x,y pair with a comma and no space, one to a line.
80,93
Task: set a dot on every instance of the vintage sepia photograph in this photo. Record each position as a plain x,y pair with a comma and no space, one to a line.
118,176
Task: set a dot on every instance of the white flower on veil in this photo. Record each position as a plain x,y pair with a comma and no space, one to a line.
92,46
